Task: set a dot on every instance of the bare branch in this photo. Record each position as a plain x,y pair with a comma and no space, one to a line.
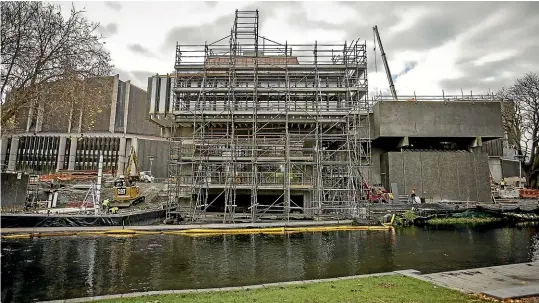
39,46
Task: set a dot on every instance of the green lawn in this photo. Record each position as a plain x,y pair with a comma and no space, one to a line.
384,289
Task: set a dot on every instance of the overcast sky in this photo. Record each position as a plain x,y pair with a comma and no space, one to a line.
430,45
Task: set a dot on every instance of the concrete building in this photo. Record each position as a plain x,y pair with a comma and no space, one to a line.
435,146
261,129
51,137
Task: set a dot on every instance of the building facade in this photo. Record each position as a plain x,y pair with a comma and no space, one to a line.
49,138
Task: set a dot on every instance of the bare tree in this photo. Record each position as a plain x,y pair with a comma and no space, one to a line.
39,47
521,122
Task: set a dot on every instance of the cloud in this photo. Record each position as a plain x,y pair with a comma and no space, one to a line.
137,77
430,46
213,30
141,78
108,30
139,49
115,5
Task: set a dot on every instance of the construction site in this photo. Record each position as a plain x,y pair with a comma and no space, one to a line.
255,130
262,130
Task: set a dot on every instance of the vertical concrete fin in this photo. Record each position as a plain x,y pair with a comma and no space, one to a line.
39,118
153,95
61,153
12,157
162,95
114,101
72,154
126,104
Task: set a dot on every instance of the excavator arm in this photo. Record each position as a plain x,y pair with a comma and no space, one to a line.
133,161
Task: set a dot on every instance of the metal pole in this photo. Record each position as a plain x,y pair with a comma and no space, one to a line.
98,187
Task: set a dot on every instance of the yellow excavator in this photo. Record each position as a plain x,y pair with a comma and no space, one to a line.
125,191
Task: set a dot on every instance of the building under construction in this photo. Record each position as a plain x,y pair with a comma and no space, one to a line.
267,129
261,129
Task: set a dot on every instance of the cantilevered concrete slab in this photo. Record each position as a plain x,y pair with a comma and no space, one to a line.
437,119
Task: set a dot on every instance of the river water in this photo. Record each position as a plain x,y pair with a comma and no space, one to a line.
68,267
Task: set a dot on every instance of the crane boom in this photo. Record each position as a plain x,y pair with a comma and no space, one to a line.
386,66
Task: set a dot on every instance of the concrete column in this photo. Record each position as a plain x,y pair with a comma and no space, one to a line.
12,160
113,100
61,153
72,153
121,157
3,145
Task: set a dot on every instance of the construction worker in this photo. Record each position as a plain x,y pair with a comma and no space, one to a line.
502,183
114,210
412,195
105,205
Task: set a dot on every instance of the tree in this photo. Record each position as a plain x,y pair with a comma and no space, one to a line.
39,48
520,112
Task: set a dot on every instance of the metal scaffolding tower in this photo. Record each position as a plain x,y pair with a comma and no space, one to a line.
266,130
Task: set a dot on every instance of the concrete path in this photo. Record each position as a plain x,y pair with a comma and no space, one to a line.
501,282
174,227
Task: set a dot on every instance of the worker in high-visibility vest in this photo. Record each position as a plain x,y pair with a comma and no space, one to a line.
105,204
502,183
114,210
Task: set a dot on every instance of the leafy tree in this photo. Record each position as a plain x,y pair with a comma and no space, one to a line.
46,60
520,113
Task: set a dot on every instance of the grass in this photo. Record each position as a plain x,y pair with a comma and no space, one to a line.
384,289
463,220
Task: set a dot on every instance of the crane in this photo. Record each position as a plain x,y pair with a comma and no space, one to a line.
386,66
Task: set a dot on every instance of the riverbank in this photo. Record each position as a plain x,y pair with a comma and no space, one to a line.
384,288
457,221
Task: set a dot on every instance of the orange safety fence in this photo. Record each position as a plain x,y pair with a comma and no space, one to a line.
529,193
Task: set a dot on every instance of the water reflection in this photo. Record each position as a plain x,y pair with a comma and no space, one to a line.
55,268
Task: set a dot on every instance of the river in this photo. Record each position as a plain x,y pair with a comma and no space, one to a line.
68,267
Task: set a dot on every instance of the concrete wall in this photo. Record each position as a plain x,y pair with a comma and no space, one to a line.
14,188
437,176
377,169
495,166
157,149
510,168
436,119
138,121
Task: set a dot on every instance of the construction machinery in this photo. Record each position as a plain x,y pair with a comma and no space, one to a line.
125,191
386,66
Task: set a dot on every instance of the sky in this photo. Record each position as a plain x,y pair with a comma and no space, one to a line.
430,46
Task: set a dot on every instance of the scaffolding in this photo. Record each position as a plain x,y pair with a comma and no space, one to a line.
265,130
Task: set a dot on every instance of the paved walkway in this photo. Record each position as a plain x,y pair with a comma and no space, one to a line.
174,227
501,282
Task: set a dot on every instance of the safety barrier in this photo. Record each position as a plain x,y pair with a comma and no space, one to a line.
529,193
198,232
